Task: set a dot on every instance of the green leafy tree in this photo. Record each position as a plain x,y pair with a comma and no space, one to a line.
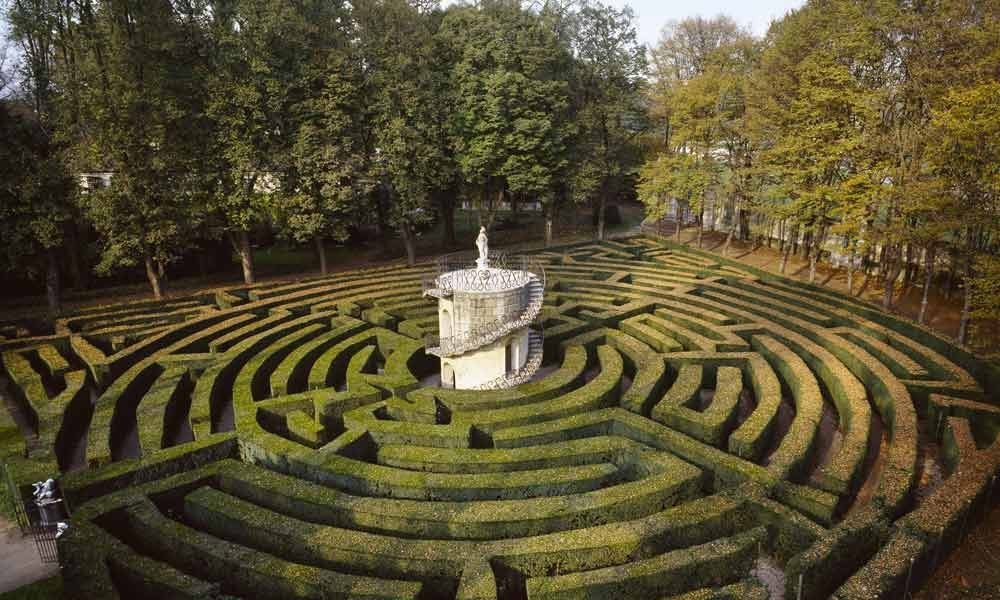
38,189
35,191
260,50
611,65
968,157
509,128
325,174
812,112
685,51
683,178
407,102
137,119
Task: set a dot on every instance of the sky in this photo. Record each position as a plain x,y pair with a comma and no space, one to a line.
652,15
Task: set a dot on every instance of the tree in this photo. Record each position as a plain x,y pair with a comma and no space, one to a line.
811,112
509,128
261,48
326,173
611,66
683,178
407,101
684,52
702,71
141,125
38,195
35,191
968,157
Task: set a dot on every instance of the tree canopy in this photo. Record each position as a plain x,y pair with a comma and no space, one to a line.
861,132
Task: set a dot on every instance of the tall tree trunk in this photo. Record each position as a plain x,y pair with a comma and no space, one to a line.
908,273
963,324
321,252
154,278
883,263
601,205
411,251
928,277
448,213
850,270
793,235
781,235
817,252
550,210
514,213
701,227
75,252
677,212
53,293
729,238
866,263
952,269
246,257
893,268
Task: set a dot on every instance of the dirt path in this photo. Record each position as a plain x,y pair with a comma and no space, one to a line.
972,571
19,557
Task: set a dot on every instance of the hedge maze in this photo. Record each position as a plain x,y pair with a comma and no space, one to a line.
696,425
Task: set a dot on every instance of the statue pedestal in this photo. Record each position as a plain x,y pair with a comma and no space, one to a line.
482,263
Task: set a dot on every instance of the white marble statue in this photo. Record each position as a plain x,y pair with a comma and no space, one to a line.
483,244
43,490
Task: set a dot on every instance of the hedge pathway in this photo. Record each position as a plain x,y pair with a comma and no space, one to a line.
695,419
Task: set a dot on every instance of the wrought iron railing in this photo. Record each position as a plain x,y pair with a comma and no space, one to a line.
12,491
487,333
460,272
525,373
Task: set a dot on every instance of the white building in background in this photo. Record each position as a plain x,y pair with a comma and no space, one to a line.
485,311
94,181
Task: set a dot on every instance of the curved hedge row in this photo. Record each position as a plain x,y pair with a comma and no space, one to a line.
695,423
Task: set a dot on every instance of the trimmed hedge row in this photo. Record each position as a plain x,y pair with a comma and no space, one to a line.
608,477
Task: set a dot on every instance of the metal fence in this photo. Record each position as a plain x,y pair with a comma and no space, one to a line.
10,489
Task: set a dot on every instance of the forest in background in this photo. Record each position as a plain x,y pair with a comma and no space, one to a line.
862,133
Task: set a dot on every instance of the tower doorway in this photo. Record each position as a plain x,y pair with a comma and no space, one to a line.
447,376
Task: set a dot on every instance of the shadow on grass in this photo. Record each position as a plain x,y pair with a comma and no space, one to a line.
46,589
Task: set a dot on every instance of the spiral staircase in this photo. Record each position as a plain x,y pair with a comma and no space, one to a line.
460,275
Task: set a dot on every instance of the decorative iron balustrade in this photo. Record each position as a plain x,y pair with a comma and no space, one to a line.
525,373
458,272
487,333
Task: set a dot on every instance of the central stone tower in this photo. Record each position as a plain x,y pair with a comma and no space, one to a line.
485,311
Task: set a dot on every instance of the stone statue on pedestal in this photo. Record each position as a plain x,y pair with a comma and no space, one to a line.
483,244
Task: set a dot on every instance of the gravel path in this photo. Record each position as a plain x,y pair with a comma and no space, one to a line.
19,557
